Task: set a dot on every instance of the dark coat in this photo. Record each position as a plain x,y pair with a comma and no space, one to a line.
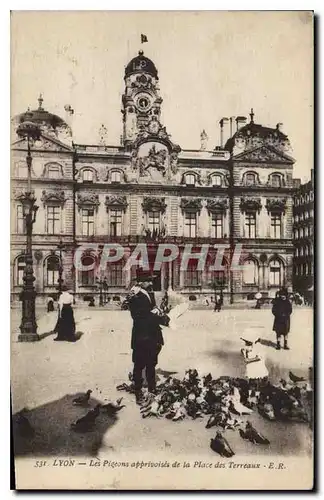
146,328
281,310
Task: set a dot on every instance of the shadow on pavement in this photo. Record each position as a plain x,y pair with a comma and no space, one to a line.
53,436
268,343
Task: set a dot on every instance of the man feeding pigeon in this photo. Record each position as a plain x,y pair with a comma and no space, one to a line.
147,338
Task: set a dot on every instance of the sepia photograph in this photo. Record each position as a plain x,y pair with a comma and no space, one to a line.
162,250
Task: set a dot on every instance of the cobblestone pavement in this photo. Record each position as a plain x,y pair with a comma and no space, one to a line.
45,372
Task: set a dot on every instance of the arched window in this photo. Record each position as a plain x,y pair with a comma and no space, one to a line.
250,272
87,277
87,175
275,180
190,179
275,273
216,180
115,177
20,268
52,270
250,179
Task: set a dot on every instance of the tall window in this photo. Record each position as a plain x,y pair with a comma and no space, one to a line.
87,277
216,180
116,274
21,221
52,270
192,277
275,225
115,222
217,225
87,221
87,175
250,272
154,220
250,223
275,180
20,270
190,228
115,176
190,179
53,219
276,273
53,171
250,179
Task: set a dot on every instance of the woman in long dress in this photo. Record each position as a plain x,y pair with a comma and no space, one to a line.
66,325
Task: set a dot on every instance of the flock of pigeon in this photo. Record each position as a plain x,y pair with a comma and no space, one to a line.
225,401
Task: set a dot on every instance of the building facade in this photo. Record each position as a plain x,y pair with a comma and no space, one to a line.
149,190
303,234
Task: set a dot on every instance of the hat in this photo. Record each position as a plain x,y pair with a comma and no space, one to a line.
145,277
283,291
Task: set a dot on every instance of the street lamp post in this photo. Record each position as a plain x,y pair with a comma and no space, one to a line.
100,283
28,327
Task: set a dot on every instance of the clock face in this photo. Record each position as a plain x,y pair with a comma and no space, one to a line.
143,102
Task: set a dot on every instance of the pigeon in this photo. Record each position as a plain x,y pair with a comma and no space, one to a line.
83,399
267,411
237,408
251,434
86,423
151,411
112,408
207,379
296,379
220,445
216,419
24,427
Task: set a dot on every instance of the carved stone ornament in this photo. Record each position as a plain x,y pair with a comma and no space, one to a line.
276,205
112,202
198,177
217,205
250,204
154,159
154,204
191,205
38,254
86,200
263,154
53,197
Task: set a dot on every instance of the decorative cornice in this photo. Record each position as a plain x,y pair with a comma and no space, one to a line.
53,197
253,204
193,204
276,204
217,205
151,204
88,200
112,202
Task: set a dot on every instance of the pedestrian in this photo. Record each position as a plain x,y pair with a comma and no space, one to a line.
147,338
256,371
66,325
165,302
218,303
282,309
50,304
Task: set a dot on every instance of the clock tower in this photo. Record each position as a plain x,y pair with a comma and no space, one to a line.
141,100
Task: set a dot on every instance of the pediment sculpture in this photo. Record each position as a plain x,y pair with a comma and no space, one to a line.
86,200
276,204
53,197
217,205
151,204
250,204
191,205
156,159
112,202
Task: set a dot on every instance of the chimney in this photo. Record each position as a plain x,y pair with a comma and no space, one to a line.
224,135
279,127
240,122
232,120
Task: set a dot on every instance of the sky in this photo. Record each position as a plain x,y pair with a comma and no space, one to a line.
211,64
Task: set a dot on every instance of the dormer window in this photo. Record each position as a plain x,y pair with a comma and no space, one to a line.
216,180
190,180
250,179
115,177
87,175
53,171
275,180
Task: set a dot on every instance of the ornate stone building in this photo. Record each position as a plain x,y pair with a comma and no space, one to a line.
303,234
148,189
